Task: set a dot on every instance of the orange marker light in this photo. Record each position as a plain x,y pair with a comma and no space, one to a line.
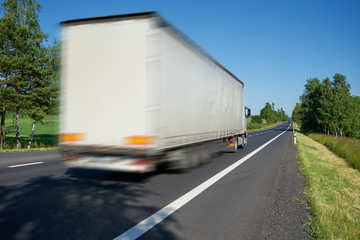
139,140
71,137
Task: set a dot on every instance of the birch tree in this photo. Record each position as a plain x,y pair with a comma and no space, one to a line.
42,96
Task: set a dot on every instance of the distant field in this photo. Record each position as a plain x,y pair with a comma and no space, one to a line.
46,133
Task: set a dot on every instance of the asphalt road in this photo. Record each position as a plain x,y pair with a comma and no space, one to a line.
41,199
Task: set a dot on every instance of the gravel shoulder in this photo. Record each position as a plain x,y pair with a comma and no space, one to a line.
287,211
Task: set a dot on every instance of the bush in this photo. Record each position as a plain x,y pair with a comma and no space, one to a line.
256,119
252,126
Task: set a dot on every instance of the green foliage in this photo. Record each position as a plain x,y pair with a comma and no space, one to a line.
39,141
328,107
297,114
253,126
256,122
347,148
267,113
256,119
28,69
271,116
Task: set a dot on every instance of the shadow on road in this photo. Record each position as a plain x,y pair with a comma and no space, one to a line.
102,175
86,205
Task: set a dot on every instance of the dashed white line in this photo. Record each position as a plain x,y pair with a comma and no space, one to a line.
150,222
26,164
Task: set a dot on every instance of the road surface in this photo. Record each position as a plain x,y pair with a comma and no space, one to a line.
41,199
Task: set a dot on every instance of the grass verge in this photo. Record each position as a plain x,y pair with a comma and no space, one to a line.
348,148
28,150
255,126
333,190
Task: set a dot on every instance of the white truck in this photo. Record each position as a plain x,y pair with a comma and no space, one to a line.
138,94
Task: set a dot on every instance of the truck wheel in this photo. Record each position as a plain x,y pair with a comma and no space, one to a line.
193,156
234,148
205,153
242,145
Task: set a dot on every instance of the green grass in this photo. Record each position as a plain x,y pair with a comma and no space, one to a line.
49,125
256,126
333,190
348,148
46,132
39,141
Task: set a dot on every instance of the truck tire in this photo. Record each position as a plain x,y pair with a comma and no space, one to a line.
193,155
177,160
235,147
242,144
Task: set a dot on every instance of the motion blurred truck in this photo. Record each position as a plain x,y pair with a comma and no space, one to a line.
138,94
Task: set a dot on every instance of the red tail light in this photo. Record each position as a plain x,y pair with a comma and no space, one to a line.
143,161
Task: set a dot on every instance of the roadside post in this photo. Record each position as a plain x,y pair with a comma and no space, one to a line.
295,138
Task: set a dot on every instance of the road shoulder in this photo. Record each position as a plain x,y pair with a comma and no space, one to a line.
288,208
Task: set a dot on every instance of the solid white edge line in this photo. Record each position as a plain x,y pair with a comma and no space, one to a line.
145,225
26,164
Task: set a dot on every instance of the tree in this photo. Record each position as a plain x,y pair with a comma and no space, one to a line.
310,105
8,61
44,88
21,51
328,107
341,101
353,129
325,105
297,114
267,113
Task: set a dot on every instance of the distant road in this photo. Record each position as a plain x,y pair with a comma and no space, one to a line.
41,199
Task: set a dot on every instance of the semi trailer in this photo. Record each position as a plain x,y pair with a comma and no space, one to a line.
136,94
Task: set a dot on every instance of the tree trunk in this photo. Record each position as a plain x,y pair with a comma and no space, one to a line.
32,133
18,142
3,115
2,130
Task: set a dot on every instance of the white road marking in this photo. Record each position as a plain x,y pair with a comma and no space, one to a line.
148,223
24,165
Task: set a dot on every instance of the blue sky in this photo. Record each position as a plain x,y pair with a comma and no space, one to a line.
272,46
